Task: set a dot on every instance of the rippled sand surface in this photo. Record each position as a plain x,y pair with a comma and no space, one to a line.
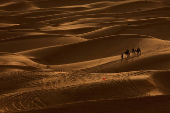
65,56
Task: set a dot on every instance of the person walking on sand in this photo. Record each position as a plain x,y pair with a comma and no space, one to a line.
127,53
121,57
138,51
133,51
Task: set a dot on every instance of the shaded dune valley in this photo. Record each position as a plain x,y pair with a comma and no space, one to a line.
68,56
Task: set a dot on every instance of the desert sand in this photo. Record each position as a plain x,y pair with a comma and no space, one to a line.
64,56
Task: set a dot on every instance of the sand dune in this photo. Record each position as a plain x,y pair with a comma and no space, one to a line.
132,6
52,3
115,45
17,6
157,62
120,85
65,56
139,105
152,29
33,41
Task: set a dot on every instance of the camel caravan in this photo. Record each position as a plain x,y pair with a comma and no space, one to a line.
136,52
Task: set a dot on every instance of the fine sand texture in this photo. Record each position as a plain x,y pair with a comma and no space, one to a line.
64,56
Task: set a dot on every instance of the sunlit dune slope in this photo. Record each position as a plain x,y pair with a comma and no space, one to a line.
157,62
17,6
71,90
90,50
35,41
64,56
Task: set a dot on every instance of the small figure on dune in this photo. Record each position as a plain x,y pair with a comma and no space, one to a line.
127,53
138,51
47,67
121,57
133,51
